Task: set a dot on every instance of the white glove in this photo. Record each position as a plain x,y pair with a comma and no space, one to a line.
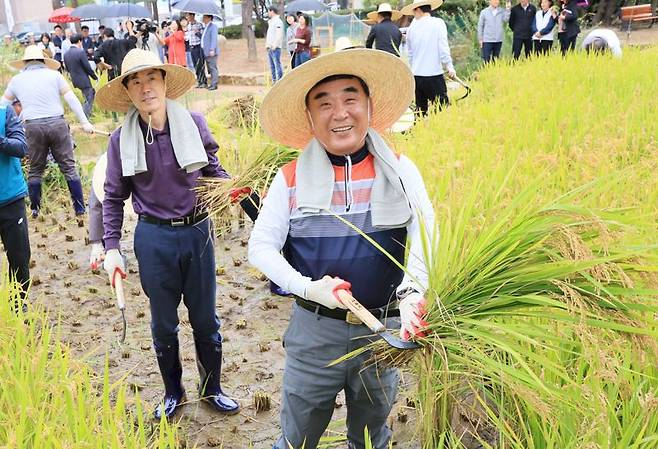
452,74
88,128
96,256
324,291
412,310
114,264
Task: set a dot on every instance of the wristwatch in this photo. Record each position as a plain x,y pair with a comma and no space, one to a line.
405,292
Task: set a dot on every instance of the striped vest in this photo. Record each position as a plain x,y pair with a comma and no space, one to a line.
321,244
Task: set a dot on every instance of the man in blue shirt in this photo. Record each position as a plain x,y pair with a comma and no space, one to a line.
13,189
210,48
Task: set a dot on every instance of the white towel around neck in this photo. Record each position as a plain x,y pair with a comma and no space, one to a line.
185,138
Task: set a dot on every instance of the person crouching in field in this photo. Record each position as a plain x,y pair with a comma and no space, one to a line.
336,107
158,155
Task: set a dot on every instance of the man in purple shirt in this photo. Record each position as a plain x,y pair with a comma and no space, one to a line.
158,155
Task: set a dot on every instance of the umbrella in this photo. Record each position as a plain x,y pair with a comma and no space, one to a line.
127,10
62,15
89,11
207,7
306,5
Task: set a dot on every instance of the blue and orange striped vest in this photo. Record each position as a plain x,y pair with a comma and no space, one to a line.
321,244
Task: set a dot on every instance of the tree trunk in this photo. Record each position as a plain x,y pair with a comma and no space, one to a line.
248,29
601,8
610,12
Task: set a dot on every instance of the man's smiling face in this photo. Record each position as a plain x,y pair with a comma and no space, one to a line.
147,90
339,114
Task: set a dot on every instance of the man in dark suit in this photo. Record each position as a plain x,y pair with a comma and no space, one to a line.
521,19
112,51
88,45
385,34
78,66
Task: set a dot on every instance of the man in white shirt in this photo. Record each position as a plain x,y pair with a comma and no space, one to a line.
600,40
273,42
335,107
429,54
66,43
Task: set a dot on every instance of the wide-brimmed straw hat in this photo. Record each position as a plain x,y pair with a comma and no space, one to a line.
409,9
32,52
385,7
283,114
114,96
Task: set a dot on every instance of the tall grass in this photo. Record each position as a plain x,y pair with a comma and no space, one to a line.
48,399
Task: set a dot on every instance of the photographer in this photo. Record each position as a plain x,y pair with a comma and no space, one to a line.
147,38
112,51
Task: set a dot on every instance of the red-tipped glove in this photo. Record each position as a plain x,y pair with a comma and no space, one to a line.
237,194
325,292
412,311
114,264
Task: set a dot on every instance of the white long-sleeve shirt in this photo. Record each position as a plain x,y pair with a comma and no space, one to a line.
274,36
272,226
609,36
427,46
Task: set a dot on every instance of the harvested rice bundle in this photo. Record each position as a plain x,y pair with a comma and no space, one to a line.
217,194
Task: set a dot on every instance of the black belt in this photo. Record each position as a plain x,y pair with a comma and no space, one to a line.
175,222
390,310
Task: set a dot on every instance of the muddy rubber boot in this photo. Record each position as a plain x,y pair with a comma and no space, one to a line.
75,188
209,362
34,191
172,371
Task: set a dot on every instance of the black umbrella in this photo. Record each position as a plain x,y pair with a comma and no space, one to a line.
89,11
127,10
305,5
207,7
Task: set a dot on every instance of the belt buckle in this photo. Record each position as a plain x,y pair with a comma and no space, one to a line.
351,318
175,222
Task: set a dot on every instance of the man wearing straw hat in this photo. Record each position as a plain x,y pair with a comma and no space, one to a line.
429,54
158,155
385,34
346,187
38,87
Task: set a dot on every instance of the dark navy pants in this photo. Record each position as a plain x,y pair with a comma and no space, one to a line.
178,263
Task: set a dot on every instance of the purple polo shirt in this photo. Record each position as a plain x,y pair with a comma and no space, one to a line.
164,190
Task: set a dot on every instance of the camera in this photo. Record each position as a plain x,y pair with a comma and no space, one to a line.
145,26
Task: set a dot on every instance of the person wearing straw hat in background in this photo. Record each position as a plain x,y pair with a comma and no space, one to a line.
335,107
429,54
38,87
385,34
158,155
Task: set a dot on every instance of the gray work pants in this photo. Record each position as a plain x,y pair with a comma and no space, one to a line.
310,387
51,134
211,63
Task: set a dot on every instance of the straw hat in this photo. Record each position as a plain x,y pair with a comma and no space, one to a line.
345,43
283,114
114,96
33,52
385,7
409,9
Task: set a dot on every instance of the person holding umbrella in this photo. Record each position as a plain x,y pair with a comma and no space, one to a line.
194,33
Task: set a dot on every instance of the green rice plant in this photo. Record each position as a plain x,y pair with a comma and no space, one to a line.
51,400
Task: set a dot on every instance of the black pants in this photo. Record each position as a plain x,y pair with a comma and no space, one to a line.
518,43
15,238
491,50
199,64
89,93
429,89
567,43
542,47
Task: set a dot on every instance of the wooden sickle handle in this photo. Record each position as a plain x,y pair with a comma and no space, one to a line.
118,290
357,309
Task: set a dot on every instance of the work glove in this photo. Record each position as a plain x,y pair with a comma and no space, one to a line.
88,128
412,311
114,265
96,256
324,292
237,195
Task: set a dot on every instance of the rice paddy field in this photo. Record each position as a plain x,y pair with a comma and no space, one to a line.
543,285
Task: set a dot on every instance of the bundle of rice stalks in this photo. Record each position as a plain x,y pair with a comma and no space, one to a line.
519,286
242,113
257,175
